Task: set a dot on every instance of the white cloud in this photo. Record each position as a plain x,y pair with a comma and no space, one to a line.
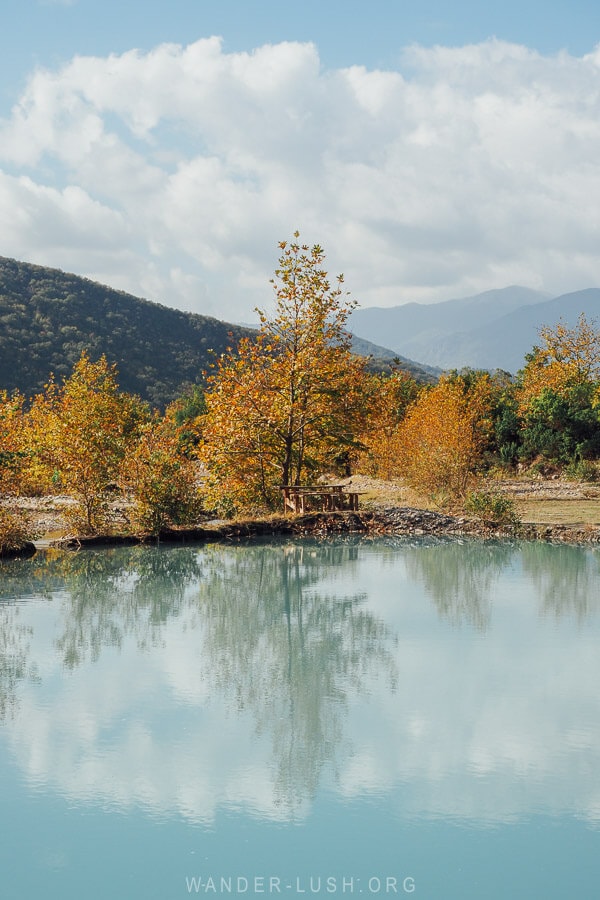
473,167
44,220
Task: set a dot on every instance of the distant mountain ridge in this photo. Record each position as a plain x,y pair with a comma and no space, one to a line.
47,317
383,359
490,330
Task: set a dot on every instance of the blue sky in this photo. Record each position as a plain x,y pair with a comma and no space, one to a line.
435,150
347,32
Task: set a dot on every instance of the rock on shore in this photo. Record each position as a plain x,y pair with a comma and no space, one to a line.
393,520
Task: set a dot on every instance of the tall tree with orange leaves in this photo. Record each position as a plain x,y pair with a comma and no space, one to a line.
12,448
388,397
564,358
287,405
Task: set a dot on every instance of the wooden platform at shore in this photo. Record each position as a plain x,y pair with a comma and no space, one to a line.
324,497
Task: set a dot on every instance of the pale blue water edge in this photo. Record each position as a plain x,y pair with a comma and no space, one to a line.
362,718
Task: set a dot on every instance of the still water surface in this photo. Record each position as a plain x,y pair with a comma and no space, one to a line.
366,718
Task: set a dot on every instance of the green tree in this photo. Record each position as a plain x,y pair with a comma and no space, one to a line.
557,394
562,426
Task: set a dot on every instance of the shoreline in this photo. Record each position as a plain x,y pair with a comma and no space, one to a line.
395,520
550,510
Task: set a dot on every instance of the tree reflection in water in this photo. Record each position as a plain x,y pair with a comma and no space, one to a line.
459,576
110,594
270,640
291,653
566,578
279,630
14,649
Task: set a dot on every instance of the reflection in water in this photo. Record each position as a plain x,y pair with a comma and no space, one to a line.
566,578
459,576
132,592
108,594
186,679
268,640
290,653
14,648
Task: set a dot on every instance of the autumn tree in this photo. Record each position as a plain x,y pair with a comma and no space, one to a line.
444,434
557,393
160,478
564,358
15,529
186,414
83,429
12,447
286,405
388,397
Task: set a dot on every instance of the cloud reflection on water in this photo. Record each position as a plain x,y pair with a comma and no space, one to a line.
456,680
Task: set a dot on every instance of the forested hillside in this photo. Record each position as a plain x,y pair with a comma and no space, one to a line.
47,317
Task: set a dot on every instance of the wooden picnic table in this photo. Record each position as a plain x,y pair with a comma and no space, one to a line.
326,497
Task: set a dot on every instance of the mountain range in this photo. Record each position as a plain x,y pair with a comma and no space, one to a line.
492,330
47,317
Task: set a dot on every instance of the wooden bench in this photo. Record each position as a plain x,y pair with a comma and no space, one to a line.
326,497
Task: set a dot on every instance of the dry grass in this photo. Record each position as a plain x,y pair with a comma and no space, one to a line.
375,493
539,502
554,502
559,512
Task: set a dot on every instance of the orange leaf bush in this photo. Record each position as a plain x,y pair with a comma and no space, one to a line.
443,436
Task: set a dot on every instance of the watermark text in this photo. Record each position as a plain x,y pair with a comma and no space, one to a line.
252,885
